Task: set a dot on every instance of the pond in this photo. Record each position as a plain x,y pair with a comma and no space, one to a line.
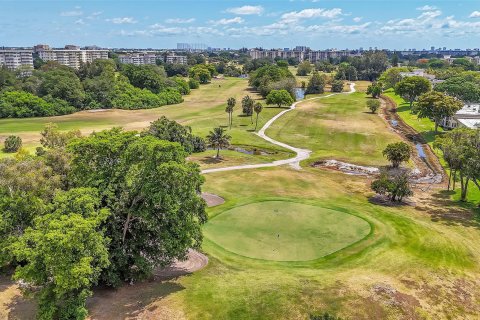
299,93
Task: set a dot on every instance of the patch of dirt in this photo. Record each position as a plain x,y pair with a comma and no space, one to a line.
212,200
393,298
194,262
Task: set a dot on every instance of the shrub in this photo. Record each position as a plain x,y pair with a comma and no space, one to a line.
193,84
337,86
373,105
394,184
13,144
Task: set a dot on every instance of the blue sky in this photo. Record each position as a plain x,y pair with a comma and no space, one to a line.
316,23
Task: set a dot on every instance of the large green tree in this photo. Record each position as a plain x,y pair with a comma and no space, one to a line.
410,88
397,153
437,106
316,84
63,253
153,195
279,97
304,68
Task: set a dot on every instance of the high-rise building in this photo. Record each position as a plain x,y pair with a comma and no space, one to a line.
140,58
192,46
173,58
16,58
72,56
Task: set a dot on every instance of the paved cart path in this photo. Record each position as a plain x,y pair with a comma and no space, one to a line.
301,154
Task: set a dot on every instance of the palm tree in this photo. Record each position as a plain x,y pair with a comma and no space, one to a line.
230,105
217,139
257,108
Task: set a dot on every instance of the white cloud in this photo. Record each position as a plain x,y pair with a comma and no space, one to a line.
474,14
73,13
427,8
295,16
180,20
122,20
357,19
246,10
226,21
428,24
80,21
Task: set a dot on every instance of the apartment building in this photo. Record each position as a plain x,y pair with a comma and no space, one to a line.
301,55
173,58
138,59
71,56
468,116
15,58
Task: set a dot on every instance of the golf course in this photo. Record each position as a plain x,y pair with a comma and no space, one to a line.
288,242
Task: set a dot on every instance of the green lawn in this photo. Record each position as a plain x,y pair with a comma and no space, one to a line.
337,127
285,231
203,110
422,259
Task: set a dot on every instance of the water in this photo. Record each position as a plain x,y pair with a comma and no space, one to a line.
421,152
299,93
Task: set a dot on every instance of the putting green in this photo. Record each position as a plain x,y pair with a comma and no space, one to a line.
285,231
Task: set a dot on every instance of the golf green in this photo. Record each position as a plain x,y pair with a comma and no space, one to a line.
285,231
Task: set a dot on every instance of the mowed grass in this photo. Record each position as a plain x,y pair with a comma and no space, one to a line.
338,127
425,260
285,230
203,110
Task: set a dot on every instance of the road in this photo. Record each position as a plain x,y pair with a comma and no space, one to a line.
301,154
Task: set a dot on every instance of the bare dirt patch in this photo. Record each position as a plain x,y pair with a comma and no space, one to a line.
212,200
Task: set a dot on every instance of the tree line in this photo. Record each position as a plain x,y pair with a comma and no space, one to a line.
54,89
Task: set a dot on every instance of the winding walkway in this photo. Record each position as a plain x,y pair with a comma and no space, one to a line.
301,154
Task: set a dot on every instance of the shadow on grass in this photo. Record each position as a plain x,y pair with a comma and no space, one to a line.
211,160
386,202
443,209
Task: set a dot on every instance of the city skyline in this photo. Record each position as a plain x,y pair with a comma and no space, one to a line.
236,24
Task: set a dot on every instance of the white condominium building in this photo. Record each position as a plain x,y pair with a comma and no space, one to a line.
15,58
71,56
301,55
172,58
138,58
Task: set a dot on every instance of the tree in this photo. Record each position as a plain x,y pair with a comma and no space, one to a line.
27,185
437,106
263,78
72,227
392,76
218,139
247,105
152,192
316,84
463,86
201,73
229,109
12,143
304,68
62,83
172,131
397,153
279,97
411,88
373,105
375,90
257,108
53,138
193,84
461,151
395,60
394,184
337,86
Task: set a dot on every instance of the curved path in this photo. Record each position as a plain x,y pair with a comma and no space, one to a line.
302,154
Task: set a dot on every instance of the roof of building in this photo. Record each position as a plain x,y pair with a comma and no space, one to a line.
470,123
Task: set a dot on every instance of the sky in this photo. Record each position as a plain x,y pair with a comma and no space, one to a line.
319,24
